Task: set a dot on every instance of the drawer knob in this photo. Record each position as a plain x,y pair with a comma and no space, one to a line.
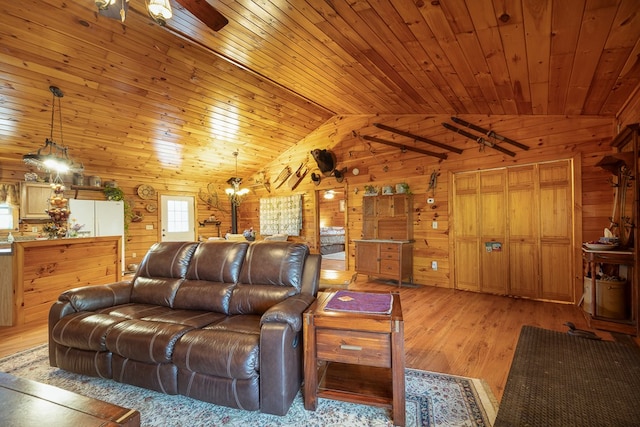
350,347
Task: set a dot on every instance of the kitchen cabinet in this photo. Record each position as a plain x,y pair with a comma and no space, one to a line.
43,269
34,200
6,285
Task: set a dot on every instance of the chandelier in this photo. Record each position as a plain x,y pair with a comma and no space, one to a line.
53,157
235,193
159,10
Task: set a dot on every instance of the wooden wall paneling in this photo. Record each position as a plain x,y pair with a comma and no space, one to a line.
593,35
537,21
548,137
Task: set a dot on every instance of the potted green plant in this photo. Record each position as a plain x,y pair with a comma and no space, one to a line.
403,188
370,190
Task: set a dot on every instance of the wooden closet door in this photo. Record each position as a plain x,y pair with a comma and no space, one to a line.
524,273
466,240
556,225
494,266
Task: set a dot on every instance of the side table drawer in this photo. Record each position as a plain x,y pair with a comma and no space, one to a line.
362,348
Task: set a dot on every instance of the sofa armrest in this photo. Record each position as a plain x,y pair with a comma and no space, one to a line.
288,311
90,298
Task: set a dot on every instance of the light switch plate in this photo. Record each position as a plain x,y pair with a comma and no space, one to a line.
434,265
434,225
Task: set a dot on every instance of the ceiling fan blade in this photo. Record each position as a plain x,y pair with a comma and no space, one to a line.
204,12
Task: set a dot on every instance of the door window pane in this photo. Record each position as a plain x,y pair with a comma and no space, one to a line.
177,216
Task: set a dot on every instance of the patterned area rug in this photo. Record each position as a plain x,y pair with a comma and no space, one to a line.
432,400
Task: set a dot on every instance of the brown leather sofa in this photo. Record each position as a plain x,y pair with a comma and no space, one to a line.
217,321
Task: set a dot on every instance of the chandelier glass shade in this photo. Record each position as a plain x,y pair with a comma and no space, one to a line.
159,10
235,193
53,157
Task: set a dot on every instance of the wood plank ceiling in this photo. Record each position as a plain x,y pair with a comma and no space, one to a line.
181,98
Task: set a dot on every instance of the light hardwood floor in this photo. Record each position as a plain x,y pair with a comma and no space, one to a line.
448,331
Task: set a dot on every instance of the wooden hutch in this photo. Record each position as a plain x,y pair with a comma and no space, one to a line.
386,247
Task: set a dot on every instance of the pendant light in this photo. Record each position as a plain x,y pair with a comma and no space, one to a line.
235,193
53,157
159,10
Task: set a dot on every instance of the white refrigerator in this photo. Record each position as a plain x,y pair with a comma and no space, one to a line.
99,218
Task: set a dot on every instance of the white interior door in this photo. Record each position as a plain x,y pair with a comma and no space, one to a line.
177,218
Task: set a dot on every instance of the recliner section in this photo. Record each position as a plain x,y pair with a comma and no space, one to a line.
217,321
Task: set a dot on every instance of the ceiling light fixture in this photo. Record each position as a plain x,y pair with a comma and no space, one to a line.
235,193
53,157
159,10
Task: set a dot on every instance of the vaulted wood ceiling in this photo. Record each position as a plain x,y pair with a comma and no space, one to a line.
183,97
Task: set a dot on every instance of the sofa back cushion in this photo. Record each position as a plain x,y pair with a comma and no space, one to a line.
271,272
217,261
212,274
161,272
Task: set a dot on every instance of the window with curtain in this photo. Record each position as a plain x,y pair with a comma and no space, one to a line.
281,215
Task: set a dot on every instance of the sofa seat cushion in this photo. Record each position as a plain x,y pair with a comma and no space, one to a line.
193,318
245,323
84,330
145,341
219,352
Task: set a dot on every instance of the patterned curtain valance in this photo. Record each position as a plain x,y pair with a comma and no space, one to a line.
281,215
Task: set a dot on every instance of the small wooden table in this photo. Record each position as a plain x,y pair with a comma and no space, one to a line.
358,357
28,403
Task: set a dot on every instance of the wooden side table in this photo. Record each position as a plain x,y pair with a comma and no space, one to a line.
354,357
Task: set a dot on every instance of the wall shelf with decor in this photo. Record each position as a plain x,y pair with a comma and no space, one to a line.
612,299
78,188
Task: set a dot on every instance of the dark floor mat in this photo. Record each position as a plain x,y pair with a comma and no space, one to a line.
561,380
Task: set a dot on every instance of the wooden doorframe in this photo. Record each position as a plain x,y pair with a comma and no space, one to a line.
576,185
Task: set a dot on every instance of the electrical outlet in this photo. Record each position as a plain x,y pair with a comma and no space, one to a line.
133,255
434,225
149,227
434,265
34,229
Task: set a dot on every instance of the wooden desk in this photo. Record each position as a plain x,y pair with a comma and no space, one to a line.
358,357
28,403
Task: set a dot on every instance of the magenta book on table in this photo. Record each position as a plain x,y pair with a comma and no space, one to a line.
360,302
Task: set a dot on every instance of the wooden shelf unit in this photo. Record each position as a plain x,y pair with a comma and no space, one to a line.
626,153
386,247
387,217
